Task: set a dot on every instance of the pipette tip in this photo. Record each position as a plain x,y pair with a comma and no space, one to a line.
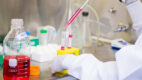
66,27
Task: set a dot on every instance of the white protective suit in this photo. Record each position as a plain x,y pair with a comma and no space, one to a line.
128,64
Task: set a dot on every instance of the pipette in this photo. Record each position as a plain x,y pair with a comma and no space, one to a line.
76,14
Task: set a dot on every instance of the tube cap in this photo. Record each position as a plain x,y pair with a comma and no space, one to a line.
85,13
43,31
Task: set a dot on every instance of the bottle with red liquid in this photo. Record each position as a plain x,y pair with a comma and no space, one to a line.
16,64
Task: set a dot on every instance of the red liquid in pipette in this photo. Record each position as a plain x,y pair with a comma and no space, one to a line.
73,17
20,72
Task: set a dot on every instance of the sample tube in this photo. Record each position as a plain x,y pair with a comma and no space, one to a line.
70,41
63,40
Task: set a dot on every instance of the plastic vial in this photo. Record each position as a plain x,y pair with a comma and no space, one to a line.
43,37
51,34
16,64
87,41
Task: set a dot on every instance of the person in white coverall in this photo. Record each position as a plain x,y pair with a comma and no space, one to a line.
128,64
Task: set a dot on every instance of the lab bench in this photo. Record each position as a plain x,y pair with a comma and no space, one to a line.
102,52
45,73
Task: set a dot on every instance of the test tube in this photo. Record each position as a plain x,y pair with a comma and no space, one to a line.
70,41
63,40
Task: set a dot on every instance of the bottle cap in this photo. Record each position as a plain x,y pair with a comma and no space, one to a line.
85,13
17,22
43,31
34,70
28,33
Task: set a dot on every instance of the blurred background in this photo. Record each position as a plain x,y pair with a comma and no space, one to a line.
38,13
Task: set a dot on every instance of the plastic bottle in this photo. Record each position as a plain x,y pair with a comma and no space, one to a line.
51,34
16,53
86,33
43,37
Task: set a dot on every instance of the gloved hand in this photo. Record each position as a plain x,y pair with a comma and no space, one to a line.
79,67
127,2
62,62
57,63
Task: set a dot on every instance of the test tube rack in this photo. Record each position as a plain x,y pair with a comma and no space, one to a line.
66,51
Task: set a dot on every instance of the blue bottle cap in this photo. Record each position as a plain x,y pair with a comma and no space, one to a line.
28,33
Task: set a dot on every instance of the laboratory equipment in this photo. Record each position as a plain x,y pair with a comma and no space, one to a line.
34,41
74,29
118,44
70,21
66,51
16,52
76,14
87,40
76,35
44,53
39,31
70,41
16,68
51,33
22,35
35,70
63,40
46,36
43,37
122,27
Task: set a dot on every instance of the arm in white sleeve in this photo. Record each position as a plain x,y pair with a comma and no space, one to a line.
135,11
87,67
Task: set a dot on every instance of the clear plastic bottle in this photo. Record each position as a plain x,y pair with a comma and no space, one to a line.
86,33
16,52
43,37
51,34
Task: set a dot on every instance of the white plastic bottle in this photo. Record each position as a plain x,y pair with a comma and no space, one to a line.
43,37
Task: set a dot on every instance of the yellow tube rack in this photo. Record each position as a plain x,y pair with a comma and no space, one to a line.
66,51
